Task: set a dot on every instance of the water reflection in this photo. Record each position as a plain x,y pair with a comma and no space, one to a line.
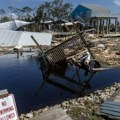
70,79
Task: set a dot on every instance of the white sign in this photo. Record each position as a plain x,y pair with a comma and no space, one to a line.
8,109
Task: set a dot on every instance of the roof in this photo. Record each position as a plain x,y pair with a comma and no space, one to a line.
12,38
95,7
13,25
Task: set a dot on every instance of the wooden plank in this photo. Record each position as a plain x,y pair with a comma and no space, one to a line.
112,35
118,96
100,69
37,44
55,113
117,100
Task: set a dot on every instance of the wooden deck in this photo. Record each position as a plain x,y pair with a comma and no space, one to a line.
55,113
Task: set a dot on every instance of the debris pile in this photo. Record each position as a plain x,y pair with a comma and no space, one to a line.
105,50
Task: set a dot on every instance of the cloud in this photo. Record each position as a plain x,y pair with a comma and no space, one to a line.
117,2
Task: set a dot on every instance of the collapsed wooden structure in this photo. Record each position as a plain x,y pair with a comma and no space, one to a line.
55,61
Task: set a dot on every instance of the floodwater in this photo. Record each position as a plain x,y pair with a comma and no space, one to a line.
23,78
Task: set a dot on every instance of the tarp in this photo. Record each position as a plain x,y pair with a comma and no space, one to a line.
13,25
13,38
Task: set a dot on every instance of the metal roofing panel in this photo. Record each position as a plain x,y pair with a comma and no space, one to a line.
41,38
9,38
21,23
8,26
13,25
95,7
13,38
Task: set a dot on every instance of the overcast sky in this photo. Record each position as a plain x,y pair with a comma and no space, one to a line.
114,5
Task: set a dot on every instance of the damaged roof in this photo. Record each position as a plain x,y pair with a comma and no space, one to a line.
13,25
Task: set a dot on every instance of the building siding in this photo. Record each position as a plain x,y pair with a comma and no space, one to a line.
91,11
81,11
100,14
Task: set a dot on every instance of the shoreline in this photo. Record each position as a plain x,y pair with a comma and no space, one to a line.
82,106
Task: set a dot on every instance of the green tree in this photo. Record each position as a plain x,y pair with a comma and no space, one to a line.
55,10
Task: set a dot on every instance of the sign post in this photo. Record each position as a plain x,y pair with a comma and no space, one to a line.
8,110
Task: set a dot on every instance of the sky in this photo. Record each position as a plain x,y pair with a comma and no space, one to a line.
114,5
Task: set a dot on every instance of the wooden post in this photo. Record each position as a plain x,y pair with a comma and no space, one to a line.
3,93
17,53
97,26
84,41
100,26
103,26
109,24
115,25
67,27
106,26
21,52
37,44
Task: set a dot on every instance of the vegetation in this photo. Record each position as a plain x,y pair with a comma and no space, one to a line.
55,10
84,113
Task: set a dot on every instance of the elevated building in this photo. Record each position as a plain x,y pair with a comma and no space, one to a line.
97,16
86,11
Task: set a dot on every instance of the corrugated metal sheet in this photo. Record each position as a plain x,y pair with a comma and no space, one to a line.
13,38
13,25
8,26
21,23
9,38
42,38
